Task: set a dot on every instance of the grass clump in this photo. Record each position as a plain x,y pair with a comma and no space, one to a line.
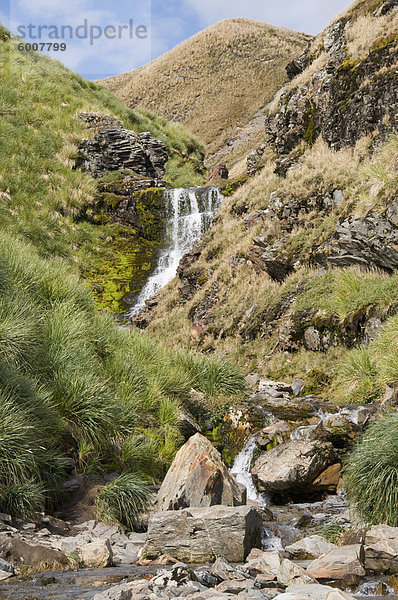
372,473
124,500
332,532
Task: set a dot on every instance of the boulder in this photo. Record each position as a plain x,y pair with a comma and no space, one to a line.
178,576
198,477
293,466
345,563
199,535
187,425
310,547
265,563
136,590
316,591
96,554
291,574
222,570
381,549
21,554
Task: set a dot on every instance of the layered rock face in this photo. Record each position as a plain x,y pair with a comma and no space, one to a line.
114,148
199,478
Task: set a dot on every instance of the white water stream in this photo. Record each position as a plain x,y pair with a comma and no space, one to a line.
190,212
241,470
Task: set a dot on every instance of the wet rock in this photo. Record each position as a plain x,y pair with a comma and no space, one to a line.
310,547
381,549
345,563
273,435
97,554
198,477
293,466
198,535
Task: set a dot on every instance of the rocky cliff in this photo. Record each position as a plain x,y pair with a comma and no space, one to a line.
268,277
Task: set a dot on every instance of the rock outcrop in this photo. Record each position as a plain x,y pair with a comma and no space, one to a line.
114,148
199,478
199,535
345,98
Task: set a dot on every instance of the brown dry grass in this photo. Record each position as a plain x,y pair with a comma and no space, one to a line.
216,81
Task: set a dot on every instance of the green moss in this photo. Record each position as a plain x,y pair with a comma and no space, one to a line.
150,213
231,186
123,271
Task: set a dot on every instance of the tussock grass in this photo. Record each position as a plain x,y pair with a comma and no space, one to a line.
372,474
124,500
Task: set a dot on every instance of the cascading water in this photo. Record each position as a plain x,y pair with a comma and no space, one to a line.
241,470
190,212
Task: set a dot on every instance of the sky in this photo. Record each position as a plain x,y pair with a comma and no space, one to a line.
99,38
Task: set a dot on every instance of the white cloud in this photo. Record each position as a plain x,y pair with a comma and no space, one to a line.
304,15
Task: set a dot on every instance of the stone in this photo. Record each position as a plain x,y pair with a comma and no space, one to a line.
293,466
329,479
381,549
266,563
291,574
5,575
96,554
115,148
222,570
198,477
136,590
217,173
317,591
309,548
199,535
19,553
177,576
235,586
274,435
187,425
297,386
345,563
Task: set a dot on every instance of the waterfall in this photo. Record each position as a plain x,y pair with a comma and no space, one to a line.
241,470
189,212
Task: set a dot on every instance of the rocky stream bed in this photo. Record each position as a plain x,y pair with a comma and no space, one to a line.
262,529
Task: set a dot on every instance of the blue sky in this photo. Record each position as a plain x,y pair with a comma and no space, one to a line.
129,33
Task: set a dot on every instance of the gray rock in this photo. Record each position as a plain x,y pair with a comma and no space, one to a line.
310,547
345,563
293,466
198,477
381,549
198,535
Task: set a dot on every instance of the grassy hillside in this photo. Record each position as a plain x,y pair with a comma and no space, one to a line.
42,198
215,82
73,385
